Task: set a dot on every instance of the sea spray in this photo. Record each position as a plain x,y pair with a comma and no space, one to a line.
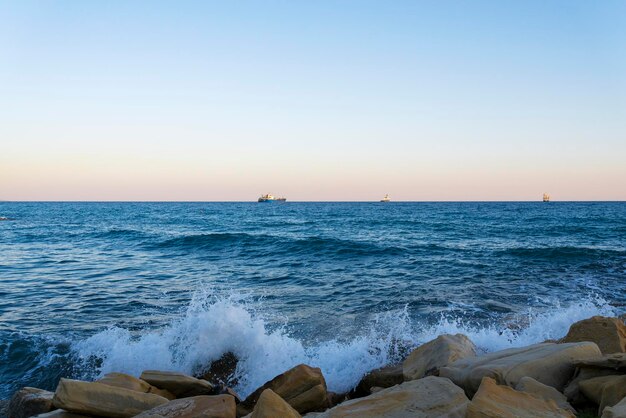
532,327
212,326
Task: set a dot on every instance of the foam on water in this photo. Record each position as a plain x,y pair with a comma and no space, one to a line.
213,326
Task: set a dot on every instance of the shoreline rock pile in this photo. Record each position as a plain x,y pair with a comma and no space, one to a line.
585,371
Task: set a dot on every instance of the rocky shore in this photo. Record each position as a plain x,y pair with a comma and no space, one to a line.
583,374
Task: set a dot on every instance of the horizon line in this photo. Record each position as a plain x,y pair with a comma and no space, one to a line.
311,201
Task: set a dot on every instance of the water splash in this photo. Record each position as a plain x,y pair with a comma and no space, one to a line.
212,326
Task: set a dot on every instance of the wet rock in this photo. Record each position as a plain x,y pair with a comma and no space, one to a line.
27,402
126,381
539,390
303,387
428,358
496,401
336,398
383,377
92,398
428,397
604,391
617,411
550,364
222,371
219,406
179,384
608,333
270,405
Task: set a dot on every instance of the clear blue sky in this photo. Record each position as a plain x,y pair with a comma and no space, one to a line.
316,100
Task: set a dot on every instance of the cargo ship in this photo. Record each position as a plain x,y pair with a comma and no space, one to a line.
268,198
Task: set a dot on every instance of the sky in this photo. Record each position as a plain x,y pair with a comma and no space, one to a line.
312,100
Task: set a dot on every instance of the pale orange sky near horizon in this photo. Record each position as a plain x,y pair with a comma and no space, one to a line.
314,102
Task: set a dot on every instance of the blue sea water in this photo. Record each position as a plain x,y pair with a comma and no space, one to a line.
87,288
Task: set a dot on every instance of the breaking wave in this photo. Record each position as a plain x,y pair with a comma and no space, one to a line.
212,326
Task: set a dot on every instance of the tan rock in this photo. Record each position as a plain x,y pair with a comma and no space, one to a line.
608,333
126,381
430,397
219,406
550,364
27,402
225,390
428,358
270,405
539,390
611,364
383,377
92,398
302,387
605,390
616,361
495,401
179,384
617,411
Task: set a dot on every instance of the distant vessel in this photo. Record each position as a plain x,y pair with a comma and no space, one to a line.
271,198
385,199
546,197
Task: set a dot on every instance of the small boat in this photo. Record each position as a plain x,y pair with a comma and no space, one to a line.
385,199
268,198
546,197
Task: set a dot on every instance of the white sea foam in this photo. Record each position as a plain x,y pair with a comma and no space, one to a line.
212,326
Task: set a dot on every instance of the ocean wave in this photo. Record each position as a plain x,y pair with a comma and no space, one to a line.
553,253
121,233
272,244
212,326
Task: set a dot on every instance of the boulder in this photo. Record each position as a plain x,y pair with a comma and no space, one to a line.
302,387
539,390
550,364
608,333
336,398
222,370
219,406
615,361
127,381
496,401
225,390
383,377
617,411
612,364
92,398
179,384
270,405
428,358
430,397
27,402
604,391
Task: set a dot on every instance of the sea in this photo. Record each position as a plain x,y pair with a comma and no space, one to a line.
89,288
